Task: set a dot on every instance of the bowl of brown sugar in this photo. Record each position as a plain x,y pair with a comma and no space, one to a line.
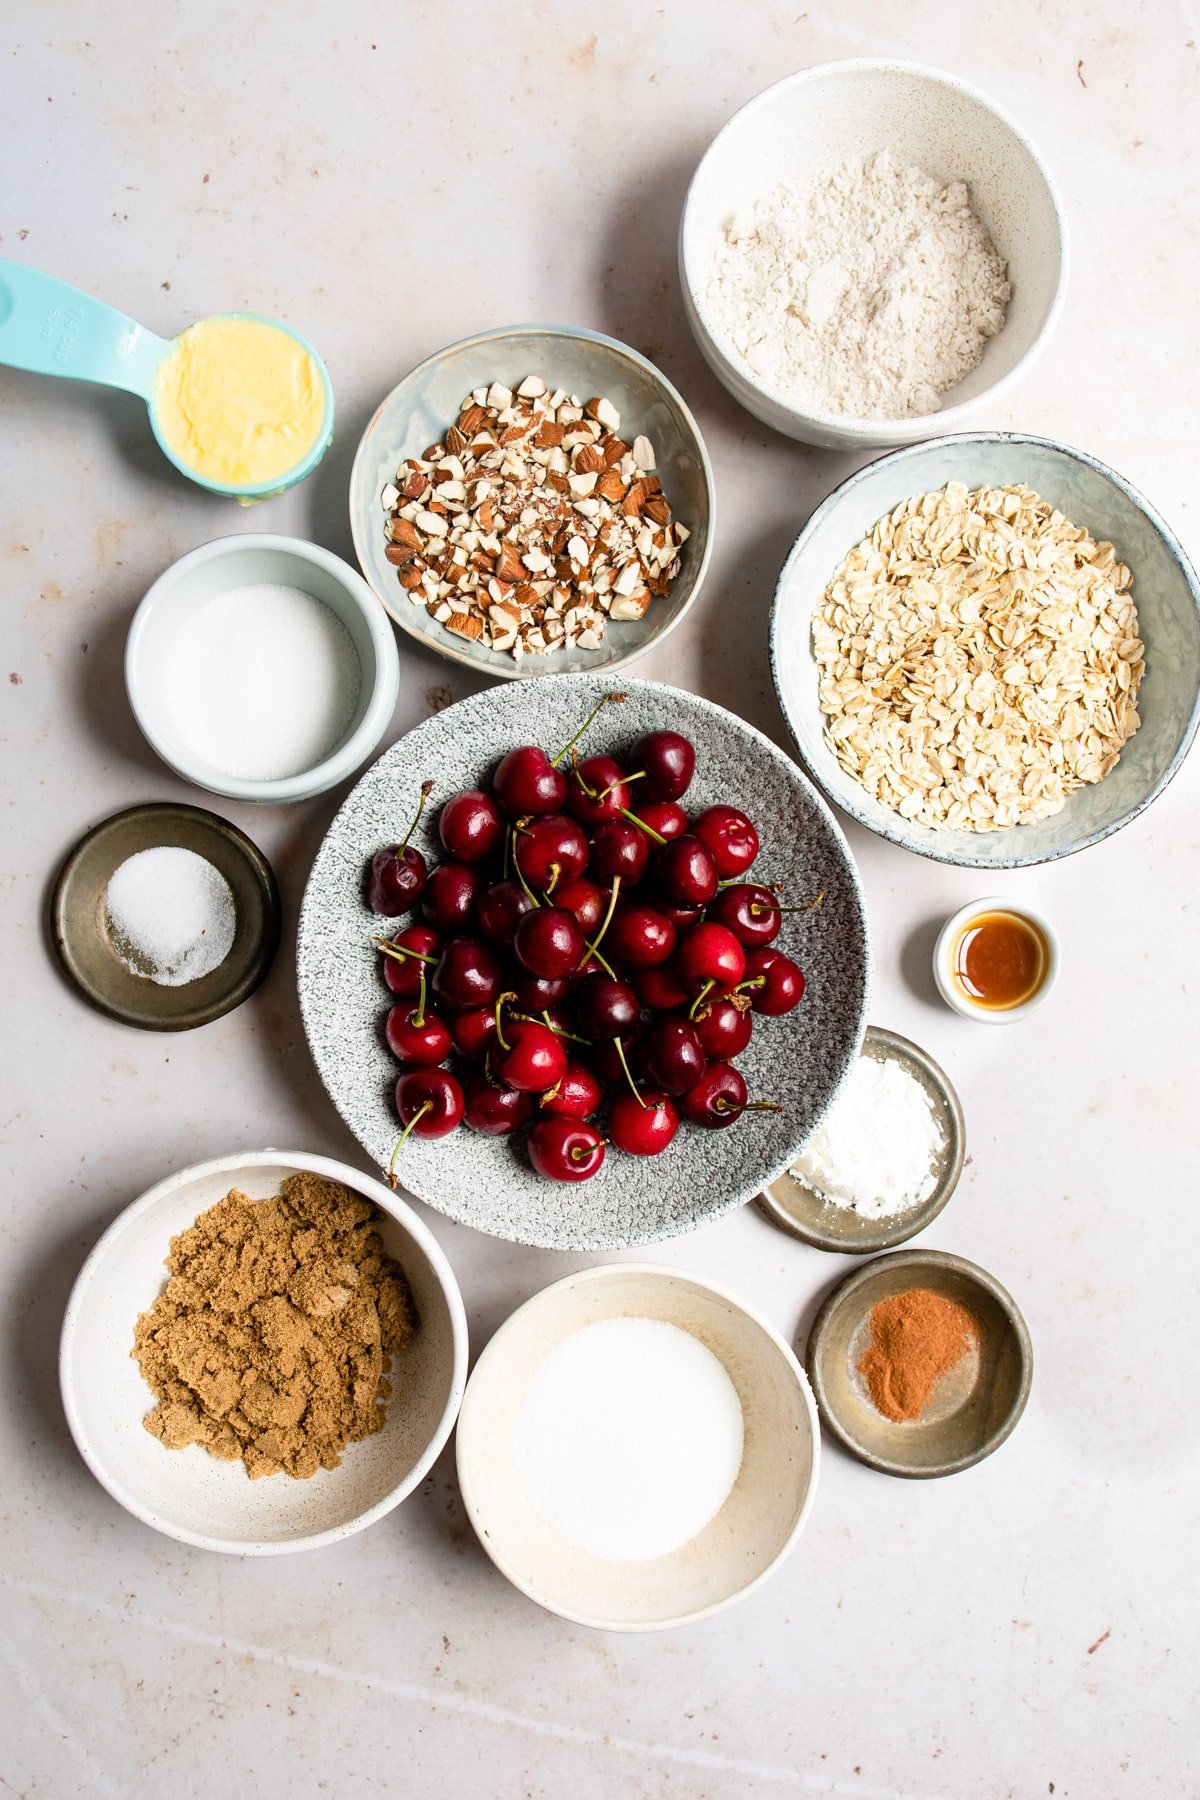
263,1353
920,1362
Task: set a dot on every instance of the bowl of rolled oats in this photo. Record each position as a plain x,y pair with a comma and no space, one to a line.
987,648
532,501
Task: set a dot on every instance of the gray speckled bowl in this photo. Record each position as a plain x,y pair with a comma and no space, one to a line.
1165,590
419,409
799,1060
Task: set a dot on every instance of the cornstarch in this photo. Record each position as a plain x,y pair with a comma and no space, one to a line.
868,294
876,1148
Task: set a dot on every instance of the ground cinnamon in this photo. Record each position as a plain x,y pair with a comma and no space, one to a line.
916,1338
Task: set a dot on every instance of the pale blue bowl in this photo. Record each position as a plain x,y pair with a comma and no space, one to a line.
1165,590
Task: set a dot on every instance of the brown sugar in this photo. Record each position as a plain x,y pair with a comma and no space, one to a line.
272,1339
916,1338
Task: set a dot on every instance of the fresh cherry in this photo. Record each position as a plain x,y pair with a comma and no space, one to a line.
583,898
639,937
773,981
724,1026
681,917
671,1057
598,790
668,761
536,992
565,1149
417,1035
717,1099
614,1059
662,817
492,1109
430,1105
605,1008
450,895
685,871
549,942
474,1032
730,837
398,874
751,912
642,1122
527,1055
577,1095
499,910
471,826
404,956
619,848
710,956
550,850
659,989
527,782
467,976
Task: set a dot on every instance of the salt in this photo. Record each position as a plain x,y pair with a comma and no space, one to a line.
875,1151
629,1439
170,914
261,682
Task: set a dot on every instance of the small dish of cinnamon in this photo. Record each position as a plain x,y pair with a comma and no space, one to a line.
920,1363
995,961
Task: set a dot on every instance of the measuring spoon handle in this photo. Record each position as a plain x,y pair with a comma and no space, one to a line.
51,328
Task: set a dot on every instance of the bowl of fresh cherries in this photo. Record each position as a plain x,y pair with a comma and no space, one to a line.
583,968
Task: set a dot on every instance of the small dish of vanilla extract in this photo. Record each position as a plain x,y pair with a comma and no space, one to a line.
995,961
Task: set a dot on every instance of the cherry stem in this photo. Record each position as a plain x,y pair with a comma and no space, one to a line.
641,823
580,1152
426,790
393,1179
755,981
616,699
555,872
419,1015
613,786
500,1038
629,1078
593,949
701,997
521,875
561,1031
400,952
722,1104
809,906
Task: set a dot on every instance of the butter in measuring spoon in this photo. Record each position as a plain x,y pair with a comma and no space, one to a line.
239,401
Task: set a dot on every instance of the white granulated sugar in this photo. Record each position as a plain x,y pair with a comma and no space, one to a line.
170,915
876,1149
867,295
262,682
629,1439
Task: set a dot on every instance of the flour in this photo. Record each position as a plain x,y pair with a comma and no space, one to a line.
868,295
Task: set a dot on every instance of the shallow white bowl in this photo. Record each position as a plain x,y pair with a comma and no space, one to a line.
805,125
1165,590
420,408
240,561
754,1530
190,1495
943,961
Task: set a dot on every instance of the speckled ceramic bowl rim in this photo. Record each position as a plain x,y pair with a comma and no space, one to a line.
894,834
505,668
906,1225
352,752
874,431
844,1292
943,949
232,1166
496,1347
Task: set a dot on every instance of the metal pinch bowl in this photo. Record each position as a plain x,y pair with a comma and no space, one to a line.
788,1203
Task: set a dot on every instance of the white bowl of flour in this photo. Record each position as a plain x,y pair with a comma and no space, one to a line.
869,250
262,668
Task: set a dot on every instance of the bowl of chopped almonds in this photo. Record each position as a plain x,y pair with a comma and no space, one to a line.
532,501
987,648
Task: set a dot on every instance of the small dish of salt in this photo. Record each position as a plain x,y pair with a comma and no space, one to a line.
166,917
884,1160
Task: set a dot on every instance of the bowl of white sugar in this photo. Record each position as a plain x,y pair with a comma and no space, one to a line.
262,668
870,251
637,1448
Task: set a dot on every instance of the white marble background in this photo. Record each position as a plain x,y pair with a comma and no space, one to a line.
390,178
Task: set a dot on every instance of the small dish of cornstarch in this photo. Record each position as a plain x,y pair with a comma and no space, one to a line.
170,915
261,682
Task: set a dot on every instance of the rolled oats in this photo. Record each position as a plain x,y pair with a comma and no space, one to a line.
978,659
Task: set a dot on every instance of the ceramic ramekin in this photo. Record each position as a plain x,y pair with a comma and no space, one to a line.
240,561
805,125
191,1495
943,961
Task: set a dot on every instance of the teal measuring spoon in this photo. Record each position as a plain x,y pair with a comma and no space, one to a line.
49,327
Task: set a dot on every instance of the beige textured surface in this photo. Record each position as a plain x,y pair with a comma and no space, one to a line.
1017,1626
